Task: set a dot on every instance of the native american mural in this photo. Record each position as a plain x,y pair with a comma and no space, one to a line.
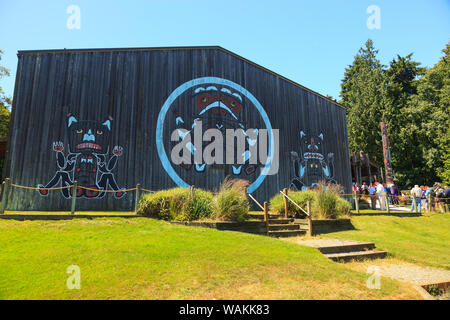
219,104
86,160
312,166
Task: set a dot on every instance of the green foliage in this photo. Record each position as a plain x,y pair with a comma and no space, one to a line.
5,104
180,204
326,203
445,174
177,204
230,203
300,197
435,291
361,92
413,101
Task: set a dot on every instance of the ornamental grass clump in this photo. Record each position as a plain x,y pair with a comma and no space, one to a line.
177,204
230,203
299,197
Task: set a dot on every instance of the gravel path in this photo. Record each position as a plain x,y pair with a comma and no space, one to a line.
413,274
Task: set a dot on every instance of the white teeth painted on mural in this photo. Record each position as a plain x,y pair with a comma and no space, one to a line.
212,88
226,90
200,168
237,170
237,96
199,89
221,105
183,134
179,120
251,142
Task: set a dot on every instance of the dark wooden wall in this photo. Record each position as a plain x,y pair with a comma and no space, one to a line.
131,86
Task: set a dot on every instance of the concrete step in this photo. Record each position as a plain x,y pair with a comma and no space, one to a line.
362,246
276,227
356,255
286,233
280,221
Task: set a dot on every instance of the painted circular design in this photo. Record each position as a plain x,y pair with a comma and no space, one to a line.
202,81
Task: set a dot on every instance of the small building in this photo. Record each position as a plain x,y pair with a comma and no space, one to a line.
112,118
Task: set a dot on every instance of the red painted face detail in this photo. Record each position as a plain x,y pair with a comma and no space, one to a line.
204,100
232,104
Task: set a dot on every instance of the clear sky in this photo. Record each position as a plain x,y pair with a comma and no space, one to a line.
310,42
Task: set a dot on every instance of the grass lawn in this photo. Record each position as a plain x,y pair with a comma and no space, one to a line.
148,259
423,240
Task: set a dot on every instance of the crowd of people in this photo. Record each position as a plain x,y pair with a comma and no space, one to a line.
429,198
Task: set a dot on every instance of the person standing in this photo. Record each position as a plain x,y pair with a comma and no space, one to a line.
423,198
394,192
381,196
447,197
416,194
373,197
441,200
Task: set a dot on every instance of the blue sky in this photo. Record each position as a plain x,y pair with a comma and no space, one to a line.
310,42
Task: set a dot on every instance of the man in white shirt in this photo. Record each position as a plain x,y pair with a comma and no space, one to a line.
416,193
381,196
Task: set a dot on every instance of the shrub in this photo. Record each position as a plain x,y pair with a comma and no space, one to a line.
300,197
343,207
177,204
231,204
199,205
326,202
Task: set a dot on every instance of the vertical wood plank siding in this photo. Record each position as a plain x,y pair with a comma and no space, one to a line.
131,86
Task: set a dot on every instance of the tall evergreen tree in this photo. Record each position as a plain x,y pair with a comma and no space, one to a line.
362,95
401,81
431,107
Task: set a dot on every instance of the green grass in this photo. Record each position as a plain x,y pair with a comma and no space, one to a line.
424,240
148,259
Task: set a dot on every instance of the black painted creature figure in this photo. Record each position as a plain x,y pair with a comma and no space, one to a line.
87,160
312,166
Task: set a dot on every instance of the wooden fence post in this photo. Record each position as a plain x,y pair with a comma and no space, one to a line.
74,196
286,207
386,199
310,226
356,195
138,197
6,187
266,217
266,212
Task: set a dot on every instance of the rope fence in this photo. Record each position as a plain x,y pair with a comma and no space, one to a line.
7,185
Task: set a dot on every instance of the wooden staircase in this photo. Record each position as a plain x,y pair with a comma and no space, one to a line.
278,226
345,250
